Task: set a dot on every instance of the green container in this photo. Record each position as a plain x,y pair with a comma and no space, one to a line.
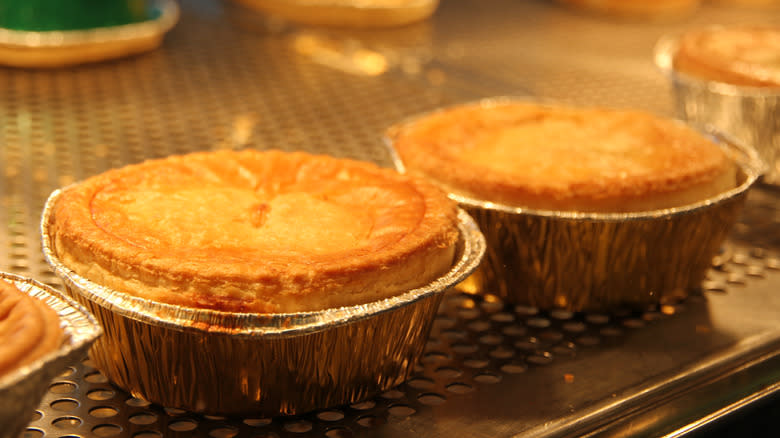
47,15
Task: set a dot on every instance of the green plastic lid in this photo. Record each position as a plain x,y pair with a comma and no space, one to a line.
47,15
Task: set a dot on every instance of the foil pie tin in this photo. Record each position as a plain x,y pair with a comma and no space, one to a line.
581,261
22,390
48,49
751,115
237,363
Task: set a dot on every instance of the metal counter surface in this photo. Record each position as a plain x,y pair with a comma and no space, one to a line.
227,78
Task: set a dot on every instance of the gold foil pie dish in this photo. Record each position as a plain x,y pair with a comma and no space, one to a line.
51,49
23,387
750,114
597,261
273,363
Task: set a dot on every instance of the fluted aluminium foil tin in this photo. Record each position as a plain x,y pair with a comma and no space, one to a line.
581,261
751,115
48,49
239,363
22,390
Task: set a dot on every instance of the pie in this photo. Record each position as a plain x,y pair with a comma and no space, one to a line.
559,158
252,231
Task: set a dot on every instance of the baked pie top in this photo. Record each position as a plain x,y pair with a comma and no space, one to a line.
256,231
558,158
748,56
28,328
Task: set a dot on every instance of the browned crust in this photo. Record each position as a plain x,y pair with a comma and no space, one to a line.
28,328
637,8
413,245
434,146
726,62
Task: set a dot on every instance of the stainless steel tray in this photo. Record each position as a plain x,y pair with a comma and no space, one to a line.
225,78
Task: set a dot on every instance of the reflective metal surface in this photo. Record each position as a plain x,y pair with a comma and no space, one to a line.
224,78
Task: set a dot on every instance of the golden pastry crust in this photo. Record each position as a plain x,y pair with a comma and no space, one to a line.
349,13
28,328
747,56
637,8
558,158
250,231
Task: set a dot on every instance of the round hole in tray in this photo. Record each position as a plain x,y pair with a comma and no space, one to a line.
363,406
514,330
501,352
393,394
462,348
298,426
538,322
369,421
330,415
143,419
339,432
223,432
476,363
487,377
543,358
37,415
32,433
431,399
460,388
401,410
66,422
64,405
137,402
106,430
448,372
491,339
96,377
478,325
435,356
62,388
514,368
257,422
502,317
420,383
185,425
103,412
526,310
101,394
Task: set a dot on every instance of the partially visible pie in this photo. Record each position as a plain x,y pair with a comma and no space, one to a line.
250,231
559,158
748,56
28,328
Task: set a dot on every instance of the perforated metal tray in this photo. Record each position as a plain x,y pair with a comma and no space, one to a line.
225,78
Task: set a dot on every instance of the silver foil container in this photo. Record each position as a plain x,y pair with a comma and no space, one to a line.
46,49
600,261
751,115
22,390
238,363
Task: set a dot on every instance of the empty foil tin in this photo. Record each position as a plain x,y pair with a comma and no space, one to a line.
231,363
601,261
46,49
751,115
21,390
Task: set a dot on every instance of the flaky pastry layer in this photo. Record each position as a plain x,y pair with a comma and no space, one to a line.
28,328
746,56
251,231
548,157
